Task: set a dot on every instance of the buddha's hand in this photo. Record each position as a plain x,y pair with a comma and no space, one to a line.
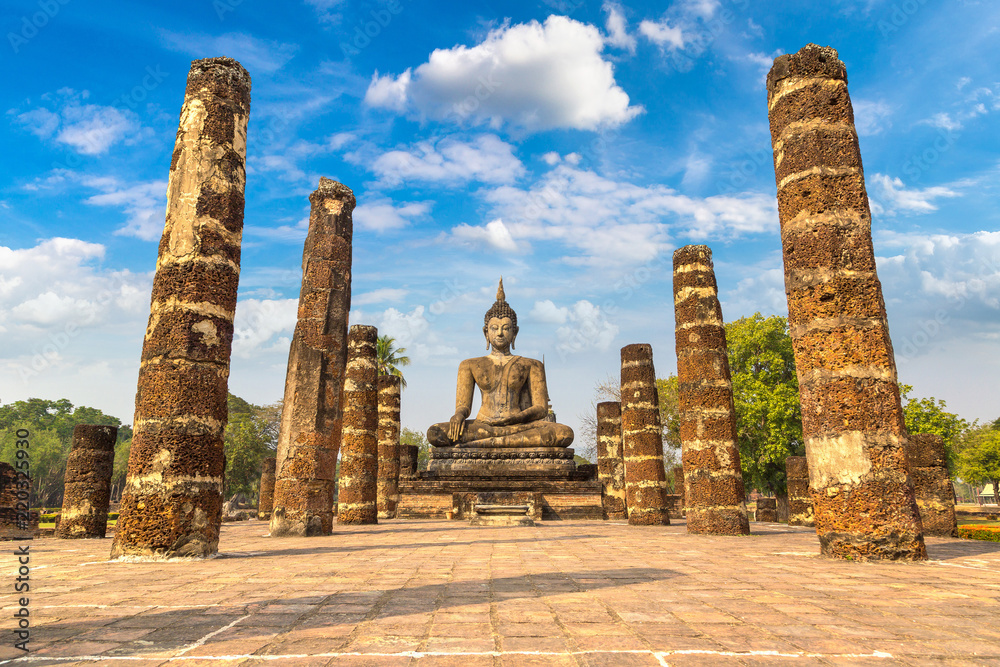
456,427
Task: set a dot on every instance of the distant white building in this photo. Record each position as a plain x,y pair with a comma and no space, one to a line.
985,496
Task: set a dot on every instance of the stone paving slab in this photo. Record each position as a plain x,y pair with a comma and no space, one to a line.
580,593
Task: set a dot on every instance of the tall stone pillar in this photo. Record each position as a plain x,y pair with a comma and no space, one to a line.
87,486
642,440
388,445
172,499
713,481
408,460
309,436
610,464
932,484
852,420
800,504
357,500
265,503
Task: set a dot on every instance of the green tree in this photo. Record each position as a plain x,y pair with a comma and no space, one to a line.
928,415
51,425
766,398
389,358
979,462
407,436
250,437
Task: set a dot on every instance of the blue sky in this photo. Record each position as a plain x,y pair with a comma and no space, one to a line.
568,146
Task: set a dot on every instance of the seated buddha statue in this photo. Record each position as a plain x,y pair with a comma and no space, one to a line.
515,399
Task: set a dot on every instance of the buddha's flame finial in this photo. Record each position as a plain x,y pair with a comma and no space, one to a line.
500,295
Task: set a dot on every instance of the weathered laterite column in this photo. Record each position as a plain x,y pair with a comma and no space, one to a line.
610,464
713,494
408,460
800,504
679,485
309,437
932,484
265,501
357,499
87,486
388,445
852,420
642,440
172,499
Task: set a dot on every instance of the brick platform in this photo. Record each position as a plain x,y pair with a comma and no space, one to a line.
562,593
430,496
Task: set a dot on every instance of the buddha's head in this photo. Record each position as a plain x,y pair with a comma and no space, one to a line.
500,323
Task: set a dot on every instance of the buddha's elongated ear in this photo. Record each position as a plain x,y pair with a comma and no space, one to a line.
487,337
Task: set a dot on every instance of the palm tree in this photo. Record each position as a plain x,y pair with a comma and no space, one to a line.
389,358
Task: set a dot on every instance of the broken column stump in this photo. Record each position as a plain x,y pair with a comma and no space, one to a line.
17,520
309,437
679,486
265,501
714,493
388,445
767,510
800,505
357,498
610,464
932,484
852,421
408,460
87,486
172,499
642,439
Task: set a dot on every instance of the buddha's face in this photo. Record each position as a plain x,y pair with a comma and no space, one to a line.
501,332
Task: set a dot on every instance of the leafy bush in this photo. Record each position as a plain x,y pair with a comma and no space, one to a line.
987,533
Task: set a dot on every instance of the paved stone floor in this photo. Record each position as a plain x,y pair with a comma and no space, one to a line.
562,593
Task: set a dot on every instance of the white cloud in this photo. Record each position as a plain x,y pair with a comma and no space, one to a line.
89,129
548,312
325,10
893,196
413,331
494,234
663,34
388,92
871,116
617,29
144,203
551,158
379,296
382,215
486,158
585,328
939,288
259,323
258,56
607,221
56,284
703,9
533,76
